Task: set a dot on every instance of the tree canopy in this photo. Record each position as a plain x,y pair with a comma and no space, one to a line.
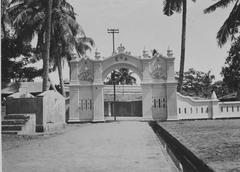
16,55
231,70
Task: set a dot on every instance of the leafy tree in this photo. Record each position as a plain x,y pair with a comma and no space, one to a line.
231,24
14,58
231,70
197,83
221,89
31,17
171,6
122,76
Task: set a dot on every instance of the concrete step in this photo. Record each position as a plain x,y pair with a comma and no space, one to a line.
12,127
14,122
16,116
10,132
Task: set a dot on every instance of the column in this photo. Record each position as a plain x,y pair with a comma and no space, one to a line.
98,99
171,90
74,104
214,106
147,101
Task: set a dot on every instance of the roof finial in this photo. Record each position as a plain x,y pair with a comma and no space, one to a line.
169,52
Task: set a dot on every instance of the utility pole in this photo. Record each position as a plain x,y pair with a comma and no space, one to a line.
113,31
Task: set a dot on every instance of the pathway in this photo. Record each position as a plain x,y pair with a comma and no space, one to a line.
115,146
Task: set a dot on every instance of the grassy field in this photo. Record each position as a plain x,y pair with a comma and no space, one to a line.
216,142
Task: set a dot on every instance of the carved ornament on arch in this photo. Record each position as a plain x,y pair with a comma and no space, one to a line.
157,69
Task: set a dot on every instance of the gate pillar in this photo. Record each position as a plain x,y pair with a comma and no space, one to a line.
98,94
98,100
172,101
147,101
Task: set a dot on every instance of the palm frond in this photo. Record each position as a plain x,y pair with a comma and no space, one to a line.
219,4
230,25
171,6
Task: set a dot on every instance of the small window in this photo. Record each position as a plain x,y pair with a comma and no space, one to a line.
185,110
90,104
202,110
159,103
238,108
154,105
221,109
196,110
227,108
207,110
232,108
179,110
191,110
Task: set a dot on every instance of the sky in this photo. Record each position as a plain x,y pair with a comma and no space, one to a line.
141,24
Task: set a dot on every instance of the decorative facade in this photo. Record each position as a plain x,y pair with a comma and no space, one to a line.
159,100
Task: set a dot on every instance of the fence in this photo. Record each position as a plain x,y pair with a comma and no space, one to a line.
189,108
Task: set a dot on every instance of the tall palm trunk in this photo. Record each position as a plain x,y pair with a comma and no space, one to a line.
46,50
59,66
182,60
3,28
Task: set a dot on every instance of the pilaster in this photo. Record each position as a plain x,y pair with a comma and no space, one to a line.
171,92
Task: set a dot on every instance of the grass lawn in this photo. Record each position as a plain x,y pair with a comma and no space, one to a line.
216,142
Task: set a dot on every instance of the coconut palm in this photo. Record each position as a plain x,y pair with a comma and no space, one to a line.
4,16
29,18
121,76
171,6
231,24
84,44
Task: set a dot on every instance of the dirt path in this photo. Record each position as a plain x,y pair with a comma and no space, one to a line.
119,146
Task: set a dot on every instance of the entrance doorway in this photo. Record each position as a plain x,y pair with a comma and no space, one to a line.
128,94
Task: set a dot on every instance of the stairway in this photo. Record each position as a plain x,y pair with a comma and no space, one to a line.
18,124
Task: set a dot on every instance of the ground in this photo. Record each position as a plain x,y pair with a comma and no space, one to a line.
216,142
113,146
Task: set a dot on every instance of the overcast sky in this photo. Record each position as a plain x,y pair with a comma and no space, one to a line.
142,24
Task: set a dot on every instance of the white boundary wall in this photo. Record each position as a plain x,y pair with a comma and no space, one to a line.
189,108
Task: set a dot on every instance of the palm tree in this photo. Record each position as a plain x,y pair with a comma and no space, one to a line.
122,76
84,44
4,16
231,24
46,51
171,6
30,18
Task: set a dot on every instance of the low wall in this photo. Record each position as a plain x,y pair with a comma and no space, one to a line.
182,157
189,108
49,108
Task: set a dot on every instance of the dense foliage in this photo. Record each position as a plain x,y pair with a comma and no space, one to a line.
231,70
197,83
16,55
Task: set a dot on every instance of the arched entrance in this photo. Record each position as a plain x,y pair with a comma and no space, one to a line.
157,81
